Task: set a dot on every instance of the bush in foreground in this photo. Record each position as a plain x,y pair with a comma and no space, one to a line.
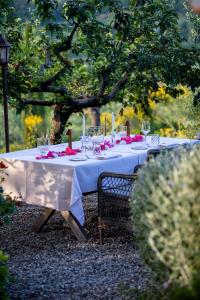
166,216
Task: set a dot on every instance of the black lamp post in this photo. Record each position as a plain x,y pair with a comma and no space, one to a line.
4,54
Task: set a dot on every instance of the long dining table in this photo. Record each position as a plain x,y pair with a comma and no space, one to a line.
58,184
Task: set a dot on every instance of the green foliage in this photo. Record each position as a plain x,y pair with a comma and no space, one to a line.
6,208
15,127
76,53
192,122
4,275
6,9
128,293
165,212
179,116
6,203
156,293
111,38
187,293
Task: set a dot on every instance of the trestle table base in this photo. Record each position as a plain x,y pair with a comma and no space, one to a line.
73,223
42,219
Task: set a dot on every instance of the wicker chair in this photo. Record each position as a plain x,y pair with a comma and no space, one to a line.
152,153
114,191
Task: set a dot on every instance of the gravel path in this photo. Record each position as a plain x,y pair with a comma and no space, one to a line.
53,265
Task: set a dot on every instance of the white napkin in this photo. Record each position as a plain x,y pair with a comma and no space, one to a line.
139,147
107,156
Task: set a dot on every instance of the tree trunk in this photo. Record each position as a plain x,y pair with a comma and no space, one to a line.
60,118
95,116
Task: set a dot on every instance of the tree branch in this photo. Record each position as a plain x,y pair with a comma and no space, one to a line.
45,85
80,103
53,78
105,79
98,101
117,87
65,46
38,102
51,89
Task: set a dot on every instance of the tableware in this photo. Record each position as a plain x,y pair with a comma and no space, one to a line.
139,147
43,145
121,131
113,138
84,141
96,136
153,140
83,125
198,135
145,128
78,158
113,122
105,157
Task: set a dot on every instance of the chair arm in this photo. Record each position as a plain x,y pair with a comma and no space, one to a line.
111,181
116,175
137,168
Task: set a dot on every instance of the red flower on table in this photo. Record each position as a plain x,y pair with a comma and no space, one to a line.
70,151
2,165
129,140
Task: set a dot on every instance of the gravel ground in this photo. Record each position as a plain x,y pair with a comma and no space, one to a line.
52,264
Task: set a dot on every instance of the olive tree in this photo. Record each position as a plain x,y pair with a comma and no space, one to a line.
71,55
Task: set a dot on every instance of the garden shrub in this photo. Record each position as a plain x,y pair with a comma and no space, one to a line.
6,203
166,216
4,275
191,292
6,207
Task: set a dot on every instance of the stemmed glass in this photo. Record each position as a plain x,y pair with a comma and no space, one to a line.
43,145
121,131
96,136
84,141
145,128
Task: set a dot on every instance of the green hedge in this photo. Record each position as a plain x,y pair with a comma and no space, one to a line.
166,216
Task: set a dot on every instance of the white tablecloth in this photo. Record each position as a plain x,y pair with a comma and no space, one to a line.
59,183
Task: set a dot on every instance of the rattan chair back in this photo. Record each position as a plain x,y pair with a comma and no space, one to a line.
114,191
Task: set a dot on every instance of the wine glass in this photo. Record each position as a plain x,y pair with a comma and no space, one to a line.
121,131
145,128
43,145
84,141
96,136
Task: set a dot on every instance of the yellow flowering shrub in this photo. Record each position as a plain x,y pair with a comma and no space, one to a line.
171,117
121,119
172,114
159,95
31,122
108,117
31,129
171,132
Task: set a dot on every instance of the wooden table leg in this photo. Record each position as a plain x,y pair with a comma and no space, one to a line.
75,226
43,219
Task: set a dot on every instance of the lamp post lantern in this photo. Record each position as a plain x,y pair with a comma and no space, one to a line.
4,55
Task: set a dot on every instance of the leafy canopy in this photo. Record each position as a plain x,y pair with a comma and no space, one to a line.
77,54
87,53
